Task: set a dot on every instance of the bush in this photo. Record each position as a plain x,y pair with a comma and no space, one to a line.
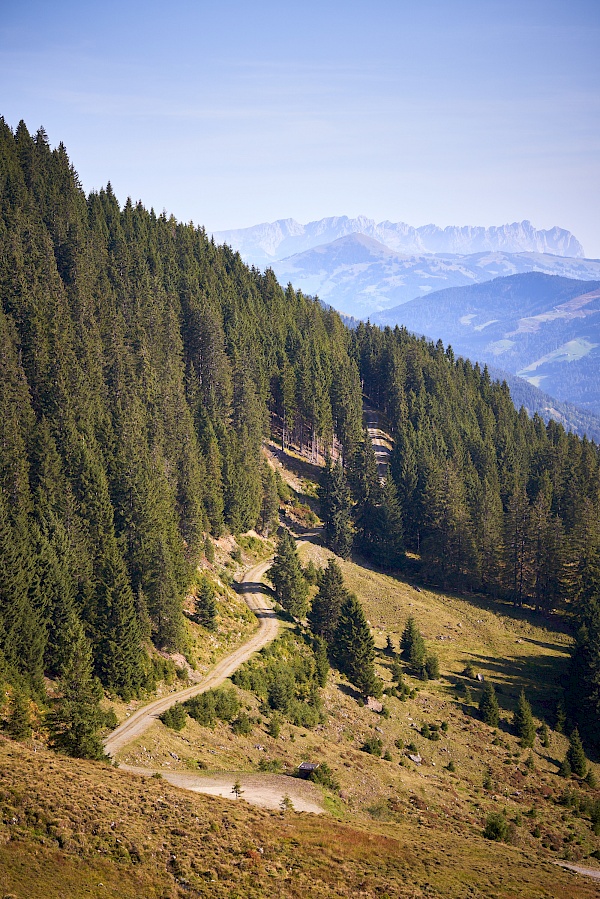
432,667
242,726
175,717
272,766
373,746
324,776
496,827
207,707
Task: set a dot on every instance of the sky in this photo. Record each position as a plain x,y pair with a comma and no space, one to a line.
232,113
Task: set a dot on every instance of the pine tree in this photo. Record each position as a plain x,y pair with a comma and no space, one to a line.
19,716
325,610
523,722
336,505
354,649
412,646
76,718
576,755
270,501
291,589
488,706
206,607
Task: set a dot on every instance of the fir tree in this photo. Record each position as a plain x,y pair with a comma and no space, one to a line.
336,505
77,718
325,610
488,706
576,755
523,722
206,607
291,590
354,649
19,716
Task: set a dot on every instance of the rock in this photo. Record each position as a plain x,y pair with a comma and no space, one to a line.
374,704
480,678
415,757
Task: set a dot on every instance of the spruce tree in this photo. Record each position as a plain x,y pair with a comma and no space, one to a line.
488,706
76,718
576,755
19,716
291,589
325,610
206,607
412,646
353,648
523,722
336,505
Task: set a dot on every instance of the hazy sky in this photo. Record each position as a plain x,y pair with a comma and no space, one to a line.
233,113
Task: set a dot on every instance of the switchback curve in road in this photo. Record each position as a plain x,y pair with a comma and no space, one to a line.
268,627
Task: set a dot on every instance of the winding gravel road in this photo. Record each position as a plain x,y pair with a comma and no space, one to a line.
268,627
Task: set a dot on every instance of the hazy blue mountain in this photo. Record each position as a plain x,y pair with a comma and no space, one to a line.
360,276
543,328
572,417
270,241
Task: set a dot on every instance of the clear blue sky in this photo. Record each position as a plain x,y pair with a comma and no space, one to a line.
233,113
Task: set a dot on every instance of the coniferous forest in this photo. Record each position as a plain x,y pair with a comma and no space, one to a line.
141,365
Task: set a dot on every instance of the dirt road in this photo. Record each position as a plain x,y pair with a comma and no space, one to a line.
267,631
382,442
265,790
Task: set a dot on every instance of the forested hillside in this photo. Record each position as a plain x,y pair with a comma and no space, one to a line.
140,364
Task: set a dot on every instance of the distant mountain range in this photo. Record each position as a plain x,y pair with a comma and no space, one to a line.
518,298
262,244
543,328
360,276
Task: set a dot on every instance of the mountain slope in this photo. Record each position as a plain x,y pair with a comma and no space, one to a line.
360,276
545,329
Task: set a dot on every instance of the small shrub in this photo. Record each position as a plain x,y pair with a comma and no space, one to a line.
236,555
373,746
324,776
175,717
444,726
432,667
450,766
469,671
496,827
387,755
274,726
241,726
273,766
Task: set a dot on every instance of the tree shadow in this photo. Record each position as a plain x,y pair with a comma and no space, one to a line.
541,677
297,464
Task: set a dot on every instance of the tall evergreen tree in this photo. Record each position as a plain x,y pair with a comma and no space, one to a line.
523,722
76,719
488,706
336,505
353,648
291,589
325,610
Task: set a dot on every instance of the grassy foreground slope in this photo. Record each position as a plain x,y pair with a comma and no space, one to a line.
74,828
